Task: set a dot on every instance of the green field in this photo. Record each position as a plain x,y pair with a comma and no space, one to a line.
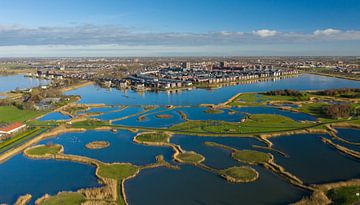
255,99
314,109
190,157
13,114
90,124
344,195
251,156
153,137
44,150
257,123
239,174
65,198
117,171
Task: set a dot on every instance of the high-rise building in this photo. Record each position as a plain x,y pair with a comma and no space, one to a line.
186,65
224,64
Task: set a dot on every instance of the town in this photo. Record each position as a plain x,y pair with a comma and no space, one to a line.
176,73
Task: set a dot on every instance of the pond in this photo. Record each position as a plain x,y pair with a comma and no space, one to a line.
20,175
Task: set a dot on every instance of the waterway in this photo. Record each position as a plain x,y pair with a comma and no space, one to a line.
12,82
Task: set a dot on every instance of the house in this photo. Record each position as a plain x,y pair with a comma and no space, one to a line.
9,129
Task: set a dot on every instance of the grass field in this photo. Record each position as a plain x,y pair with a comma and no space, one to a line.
251,156
239,174
65,198
314,109
153,137
43,150
90,124
13,114
117,171
255,99
257,123
344,195
190,157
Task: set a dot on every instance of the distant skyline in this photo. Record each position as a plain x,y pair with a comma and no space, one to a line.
79,28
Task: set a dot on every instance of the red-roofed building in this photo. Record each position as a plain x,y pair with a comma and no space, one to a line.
8,129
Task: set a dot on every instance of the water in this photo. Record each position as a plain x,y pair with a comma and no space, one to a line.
351,135
121,149
215,157
90,94
100,110
119,114
12,82
191,185
20,175
151,119
54,116
314,161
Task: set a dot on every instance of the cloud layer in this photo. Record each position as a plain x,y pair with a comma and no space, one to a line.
14,35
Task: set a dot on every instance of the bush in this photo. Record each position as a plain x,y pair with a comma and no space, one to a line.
339,111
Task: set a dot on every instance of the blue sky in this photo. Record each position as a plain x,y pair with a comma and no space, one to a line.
187,27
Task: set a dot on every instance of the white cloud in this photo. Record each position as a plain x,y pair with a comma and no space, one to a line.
90,35
326,32
263,33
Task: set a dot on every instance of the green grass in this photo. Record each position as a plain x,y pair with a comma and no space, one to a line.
21,137
117,171
344,195
65,198
257,123
44,149
76,109
190,157
214,111
13,114
314,109
255,99
90,124
239,173
153,137
251,156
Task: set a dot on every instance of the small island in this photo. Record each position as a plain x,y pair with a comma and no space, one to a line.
239,174
214,111
97,145
163,116
189,157
251,156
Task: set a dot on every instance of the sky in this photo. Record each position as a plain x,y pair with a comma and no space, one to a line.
78,28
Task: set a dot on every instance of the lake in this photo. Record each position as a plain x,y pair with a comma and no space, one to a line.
12,82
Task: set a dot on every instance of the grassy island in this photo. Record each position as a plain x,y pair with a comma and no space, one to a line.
68,198
257,123
163,116
344,195
251,156
43,150
239,174
117,171
97,145
189,158
214,111
154,137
